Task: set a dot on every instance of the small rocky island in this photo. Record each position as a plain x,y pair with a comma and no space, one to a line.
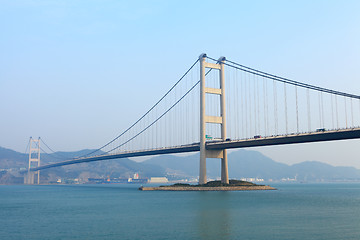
234,185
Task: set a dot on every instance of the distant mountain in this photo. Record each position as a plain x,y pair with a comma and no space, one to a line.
245,163
118,168
310,171
250,164
12,159
177,165
242,163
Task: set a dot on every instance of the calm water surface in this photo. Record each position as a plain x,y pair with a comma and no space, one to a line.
294,211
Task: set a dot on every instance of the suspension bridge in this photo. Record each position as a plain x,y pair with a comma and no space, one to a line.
219,104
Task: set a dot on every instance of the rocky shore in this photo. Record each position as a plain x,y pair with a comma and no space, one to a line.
230,188
234,185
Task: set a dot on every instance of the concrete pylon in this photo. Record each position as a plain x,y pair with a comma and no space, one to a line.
204,153
34,157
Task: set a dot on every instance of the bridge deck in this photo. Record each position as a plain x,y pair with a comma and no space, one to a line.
343,134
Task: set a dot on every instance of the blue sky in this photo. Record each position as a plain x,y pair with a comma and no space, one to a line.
69,68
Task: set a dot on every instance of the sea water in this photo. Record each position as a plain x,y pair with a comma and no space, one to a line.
294,211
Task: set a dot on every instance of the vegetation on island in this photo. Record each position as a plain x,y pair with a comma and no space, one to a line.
232,183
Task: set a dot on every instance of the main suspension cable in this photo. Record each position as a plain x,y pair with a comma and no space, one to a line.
56,153
286,80
27,146
159,116
156,119
145,113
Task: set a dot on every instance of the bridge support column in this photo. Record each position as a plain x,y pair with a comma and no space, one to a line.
204,153
224,162
202,174
34,157
29,178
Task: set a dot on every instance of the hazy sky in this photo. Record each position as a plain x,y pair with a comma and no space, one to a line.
68,69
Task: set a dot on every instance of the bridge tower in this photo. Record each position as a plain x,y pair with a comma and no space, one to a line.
204,153
34,157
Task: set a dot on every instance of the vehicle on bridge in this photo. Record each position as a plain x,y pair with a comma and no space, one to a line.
215,140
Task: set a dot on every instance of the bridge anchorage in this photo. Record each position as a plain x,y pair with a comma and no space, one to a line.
209,112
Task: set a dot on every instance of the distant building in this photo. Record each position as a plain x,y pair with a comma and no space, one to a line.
159,180
252,179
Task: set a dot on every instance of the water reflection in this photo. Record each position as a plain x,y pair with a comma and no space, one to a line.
214,216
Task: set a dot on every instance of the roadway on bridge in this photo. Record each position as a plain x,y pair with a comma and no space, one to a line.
343,134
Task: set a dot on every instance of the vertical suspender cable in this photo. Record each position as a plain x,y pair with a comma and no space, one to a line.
322,110
267,108
131,143
255,116
232,115
309,110
156,129
171,124
152,133
285,105
264,95
258,102
146,142
320,115
352,114
234,127
250,105
162,127
169,131
192,112
237,102
175,127
186,114
148,133
246,113
332,111
345,112
242,134
297,110
275,108
179,121
130,134
337,116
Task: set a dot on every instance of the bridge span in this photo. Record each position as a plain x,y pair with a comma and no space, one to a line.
342,134
208,111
